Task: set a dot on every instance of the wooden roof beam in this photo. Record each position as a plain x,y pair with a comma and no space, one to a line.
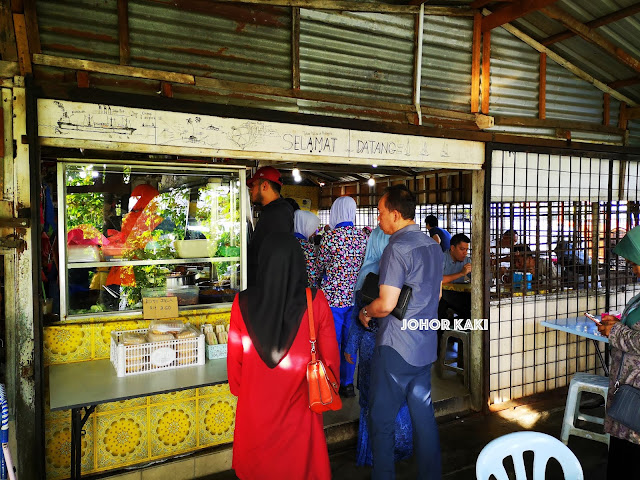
592,36
598,22
483,3
512,11
624,83
123,32
565,63
8,50
633,113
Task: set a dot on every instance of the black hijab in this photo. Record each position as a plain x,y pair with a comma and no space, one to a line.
273,309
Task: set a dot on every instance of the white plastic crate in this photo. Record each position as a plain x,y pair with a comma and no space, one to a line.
155,356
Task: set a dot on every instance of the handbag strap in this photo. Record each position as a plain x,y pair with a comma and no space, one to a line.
312,328
617,384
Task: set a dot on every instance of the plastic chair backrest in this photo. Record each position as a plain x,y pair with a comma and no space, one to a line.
543,446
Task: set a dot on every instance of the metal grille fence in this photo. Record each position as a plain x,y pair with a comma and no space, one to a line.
555,218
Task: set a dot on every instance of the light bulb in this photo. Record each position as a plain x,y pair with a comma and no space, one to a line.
295,172
371,182
297,178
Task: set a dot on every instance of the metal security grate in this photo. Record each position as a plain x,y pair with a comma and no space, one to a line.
555,217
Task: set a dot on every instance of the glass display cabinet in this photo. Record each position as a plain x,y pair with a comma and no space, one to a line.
135,230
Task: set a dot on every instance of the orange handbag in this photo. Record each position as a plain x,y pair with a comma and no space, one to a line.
323,386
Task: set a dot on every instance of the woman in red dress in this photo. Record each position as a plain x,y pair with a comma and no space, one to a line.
276,435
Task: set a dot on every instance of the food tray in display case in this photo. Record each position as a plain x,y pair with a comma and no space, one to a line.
155,356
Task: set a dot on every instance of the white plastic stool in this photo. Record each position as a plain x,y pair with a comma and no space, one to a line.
584,382
464,340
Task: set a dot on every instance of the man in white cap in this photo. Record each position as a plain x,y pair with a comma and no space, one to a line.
276,214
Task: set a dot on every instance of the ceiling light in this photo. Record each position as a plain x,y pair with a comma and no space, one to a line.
371,182
375,165
321,184
297,178
295,172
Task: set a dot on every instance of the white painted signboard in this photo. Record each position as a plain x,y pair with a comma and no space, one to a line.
63,123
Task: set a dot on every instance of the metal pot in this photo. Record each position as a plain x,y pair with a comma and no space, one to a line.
178,280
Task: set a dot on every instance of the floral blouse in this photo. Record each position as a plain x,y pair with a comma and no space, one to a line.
340,258
623,339
310,256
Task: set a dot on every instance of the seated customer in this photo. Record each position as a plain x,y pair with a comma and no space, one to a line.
545,274
457,267
440,235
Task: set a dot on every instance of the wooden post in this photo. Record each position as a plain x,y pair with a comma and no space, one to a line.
542,93
32,26
82,78
8,50
478,231
475,62
24,56
486,71
166,89
622,119
123,32
606,114
295,48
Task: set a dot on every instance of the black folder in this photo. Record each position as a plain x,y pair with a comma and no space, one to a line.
371,290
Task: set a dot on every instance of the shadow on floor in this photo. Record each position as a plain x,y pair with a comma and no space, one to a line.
462,439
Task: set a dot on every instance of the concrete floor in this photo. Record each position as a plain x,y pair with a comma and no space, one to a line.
462,439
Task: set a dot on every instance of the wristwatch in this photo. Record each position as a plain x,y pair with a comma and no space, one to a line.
364,311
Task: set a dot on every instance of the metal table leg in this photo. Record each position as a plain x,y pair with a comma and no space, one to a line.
77,423
602,360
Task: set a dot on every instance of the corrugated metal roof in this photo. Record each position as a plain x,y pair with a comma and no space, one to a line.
624,33
86,29
223,44
446,62
365,55
570,98
514,76
229,42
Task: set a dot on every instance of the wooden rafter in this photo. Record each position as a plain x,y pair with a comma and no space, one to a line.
123,32
24,56
295,47
476,49
542,89
512,11
486,71
592,36
8,50
567,125
633,113
340,5
624,83
483,3
606,109
598,22
31,19
564,62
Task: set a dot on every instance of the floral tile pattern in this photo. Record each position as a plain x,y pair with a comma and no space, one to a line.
172,428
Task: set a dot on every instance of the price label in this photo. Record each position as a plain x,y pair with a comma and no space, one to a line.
160,307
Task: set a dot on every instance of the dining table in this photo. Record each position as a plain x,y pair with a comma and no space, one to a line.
585,328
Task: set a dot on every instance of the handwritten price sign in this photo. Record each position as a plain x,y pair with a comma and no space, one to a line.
160,307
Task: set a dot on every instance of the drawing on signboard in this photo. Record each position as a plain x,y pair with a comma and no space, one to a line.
425,150
101,122
191,131
250,133
445,150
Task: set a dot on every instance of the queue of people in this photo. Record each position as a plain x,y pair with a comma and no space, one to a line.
269,335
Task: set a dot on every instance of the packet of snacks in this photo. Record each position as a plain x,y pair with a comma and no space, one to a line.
166,326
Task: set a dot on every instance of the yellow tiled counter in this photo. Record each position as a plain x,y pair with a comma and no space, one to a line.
133,431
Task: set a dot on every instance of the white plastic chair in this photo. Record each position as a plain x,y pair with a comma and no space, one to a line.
543,446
